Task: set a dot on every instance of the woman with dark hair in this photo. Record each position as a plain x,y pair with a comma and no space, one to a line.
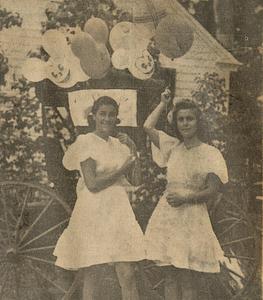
179,234
103,228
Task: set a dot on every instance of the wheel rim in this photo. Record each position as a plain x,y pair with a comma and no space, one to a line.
32,217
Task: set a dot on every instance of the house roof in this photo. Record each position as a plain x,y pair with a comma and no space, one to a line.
225,57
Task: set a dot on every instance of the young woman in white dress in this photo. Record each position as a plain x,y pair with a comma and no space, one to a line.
179,233
103,228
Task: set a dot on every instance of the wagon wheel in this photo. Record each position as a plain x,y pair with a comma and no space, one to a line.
238,239
32,218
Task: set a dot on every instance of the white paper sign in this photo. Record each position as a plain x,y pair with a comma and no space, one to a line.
80,103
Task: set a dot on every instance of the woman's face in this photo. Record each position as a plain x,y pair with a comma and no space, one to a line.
105,119
187,123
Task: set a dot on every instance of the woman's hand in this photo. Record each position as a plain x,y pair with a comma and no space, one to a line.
166,96
175,200
126,140
127,164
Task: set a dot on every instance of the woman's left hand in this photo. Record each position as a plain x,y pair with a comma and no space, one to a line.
176,200
126,140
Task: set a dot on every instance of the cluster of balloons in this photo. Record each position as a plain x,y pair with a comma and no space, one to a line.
130,50
88,57
62,68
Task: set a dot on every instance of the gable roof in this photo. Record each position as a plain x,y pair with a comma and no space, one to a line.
225,56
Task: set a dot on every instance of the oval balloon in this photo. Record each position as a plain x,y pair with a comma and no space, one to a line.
96,66
173,37
120,59
34,69
98,29
54,42
83,44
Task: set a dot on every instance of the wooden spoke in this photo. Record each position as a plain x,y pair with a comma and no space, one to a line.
6,219
226,288
37,249
17,284
227,220
44,233
21,214
240,257
229,228
215,205
39,272
158,284
35,222
12,215
149,266
238,241
4,281
38,259
234,273
73,287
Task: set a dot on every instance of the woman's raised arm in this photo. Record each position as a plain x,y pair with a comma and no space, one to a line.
150,123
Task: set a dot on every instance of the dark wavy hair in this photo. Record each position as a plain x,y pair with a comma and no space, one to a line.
202,130
104,100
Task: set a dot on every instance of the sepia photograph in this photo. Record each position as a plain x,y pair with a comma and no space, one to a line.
131,149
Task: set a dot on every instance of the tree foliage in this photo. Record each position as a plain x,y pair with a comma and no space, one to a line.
20,158
7,20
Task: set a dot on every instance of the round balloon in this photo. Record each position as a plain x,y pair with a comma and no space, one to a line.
83,44
96,66
127,35
173,37
121,36
34,69
98,29
120,59
54,42
141,64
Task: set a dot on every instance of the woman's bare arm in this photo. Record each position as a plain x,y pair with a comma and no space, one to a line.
150,123
213,185
96,183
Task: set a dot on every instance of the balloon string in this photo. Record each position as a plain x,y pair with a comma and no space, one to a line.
152,11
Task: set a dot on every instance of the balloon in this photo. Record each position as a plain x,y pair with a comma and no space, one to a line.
173,37
120,59
83,44
142,64
34,69
98,29
126,35
54,43
97,64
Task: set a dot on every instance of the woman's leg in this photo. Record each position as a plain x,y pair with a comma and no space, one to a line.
91,278
127,279
172,289
189,286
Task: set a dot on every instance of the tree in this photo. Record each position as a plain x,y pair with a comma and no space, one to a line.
7,20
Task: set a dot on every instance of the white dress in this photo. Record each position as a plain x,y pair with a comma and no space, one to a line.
183,236
102,228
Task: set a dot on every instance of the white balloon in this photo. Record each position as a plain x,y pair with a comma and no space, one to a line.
127,35
34,69
55,44
141,64
120,59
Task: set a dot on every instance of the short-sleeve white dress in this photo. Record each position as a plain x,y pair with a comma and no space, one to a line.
103,227
183,236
